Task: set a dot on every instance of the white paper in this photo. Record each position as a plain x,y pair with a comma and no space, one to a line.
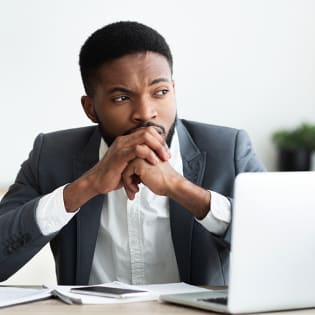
17,295
154,291
171,288
14,295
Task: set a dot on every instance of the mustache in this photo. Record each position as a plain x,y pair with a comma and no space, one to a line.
159,128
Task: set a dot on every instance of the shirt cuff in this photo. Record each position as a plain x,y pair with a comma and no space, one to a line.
219,217
51,215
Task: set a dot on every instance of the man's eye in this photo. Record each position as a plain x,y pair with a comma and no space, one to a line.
161,92
121,98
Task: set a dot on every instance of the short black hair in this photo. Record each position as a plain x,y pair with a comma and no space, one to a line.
117,40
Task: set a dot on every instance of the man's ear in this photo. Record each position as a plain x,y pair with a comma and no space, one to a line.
88,107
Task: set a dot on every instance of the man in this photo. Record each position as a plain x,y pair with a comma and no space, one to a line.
142,197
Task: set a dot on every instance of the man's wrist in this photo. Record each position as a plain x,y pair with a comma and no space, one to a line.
194,198
78,193
219,216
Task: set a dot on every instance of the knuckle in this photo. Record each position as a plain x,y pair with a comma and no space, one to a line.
138,148
146,136
151,129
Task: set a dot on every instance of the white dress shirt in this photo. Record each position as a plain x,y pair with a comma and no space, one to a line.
134,243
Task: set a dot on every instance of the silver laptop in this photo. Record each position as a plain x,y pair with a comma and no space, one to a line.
272,264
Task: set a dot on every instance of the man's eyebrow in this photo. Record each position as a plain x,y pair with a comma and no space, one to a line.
124,90
159,80
119,89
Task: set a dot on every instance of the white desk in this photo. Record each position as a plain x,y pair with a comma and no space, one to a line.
53,306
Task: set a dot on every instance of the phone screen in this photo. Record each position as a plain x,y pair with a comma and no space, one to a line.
108,291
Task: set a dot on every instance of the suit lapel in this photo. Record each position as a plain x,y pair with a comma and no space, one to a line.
181,219
88,219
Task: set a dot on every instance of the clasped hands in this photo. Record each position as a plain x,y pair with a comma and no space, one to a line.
140,157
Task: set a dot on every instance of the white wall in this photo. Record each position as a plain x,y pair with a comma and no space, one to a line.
242,63
246,63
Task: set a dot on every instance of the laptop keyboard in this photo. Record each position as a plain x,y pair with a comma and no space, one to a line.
218,300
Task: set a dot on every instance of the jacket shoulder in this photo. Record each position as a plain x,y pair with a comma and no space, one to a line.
82,133
202,132
65,140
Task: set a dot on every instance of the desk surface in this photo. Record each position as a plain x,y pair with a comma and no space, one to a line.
54,306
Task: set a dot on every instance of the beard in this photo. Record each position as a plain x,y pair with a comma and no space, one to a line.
109,139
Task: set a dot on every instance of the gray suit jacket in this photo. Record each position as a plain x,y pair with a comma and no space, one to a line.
212,157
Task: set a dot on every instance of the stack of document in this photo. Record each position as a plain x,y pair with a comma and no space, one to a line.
16,295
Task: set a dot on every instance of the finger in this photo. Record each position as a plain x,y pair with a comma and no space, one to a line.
144,152
125,155
150,137
141,151
131,182
163,145
130,194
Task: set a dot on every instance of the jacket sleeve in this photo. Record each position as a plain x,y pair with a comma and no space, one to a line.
245,160
20,236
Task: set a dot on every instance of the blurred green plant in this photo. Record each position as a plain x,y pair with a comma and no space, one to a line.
302,137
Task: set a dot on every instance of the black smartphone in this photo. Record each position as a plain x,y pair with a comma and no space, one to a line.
109,291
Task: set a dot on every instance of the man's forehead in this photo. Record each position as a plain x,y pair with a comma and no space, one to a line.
133,76
145,63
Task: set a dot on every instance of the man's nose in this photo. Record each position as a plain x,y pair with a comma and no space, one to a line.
144,110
